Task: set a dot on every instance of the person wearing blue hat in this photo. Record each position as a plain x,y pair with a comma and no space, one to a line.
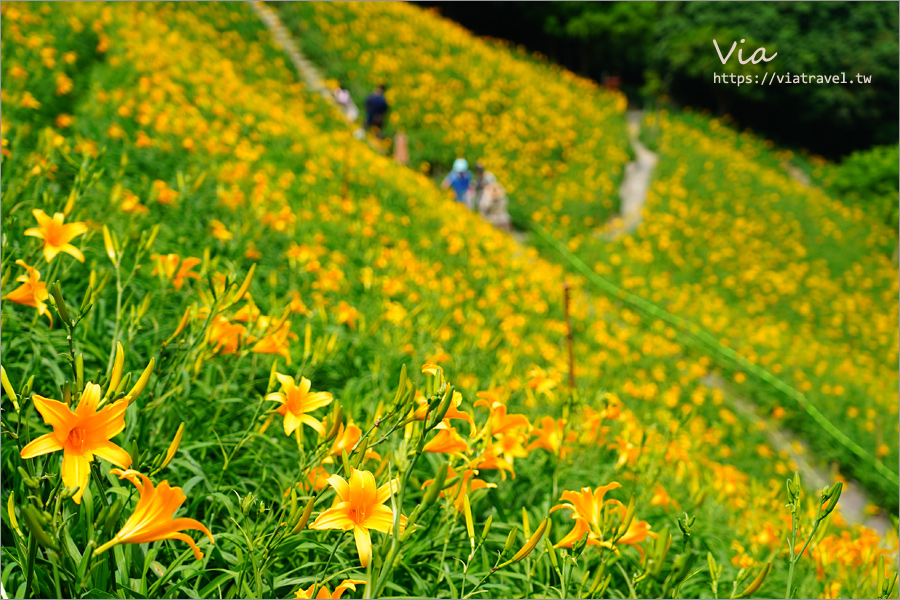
459,179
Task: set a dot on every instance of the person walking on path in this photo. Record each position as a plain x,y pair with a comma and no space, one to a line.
345,101
376,109
459,180
490,198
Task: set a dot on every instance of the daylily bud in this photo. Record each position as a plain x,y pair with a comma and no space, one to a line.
152,237
442,408
79,371
304,518
345,460
834,494
26,389
629,517
120,389
14,523
757,582
246,285
526,527
247,503
551,551
487,528
8,388
141,382
118,366
401,386
431,494
28,479
337,417
183,323
173,447
86,301
60,304
532,542
470,523
67,393
108,244
510,539
33,522
273,377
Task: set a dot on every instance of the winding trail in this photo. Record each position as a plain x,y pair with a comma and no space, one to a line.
635,184
307,71
813,476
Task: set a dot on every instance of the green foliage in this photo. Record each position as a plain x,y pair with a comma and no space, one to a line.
870,178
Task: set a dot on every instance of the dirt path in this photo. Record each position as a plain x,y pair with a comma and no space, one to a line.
635,184
814,477
307,71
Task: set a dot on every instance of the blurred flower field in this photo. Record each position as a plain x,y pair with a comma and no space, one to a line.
233,334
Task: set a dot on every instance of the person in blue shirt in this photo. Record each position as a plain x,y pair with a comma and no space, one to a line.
459,179
376,108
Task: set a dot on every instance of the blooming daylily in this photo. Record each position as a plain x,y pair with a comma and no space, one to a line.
499,421
275,342
587,510
550,437
446,441
453,412
325,594
176,269
152,517
297,403
32,292
359,506
56,235
81,434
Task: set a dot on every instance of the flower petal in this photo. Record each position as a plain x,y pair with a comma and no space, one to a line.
56,414
42,445
113,453
76,471
363,545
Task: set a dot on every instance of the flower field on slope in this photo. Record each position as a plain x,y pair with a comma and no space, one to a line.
802,285
554,140
240,286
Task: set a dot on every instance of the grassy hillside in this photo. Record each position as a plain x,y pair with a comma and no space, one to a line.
797,282
236,238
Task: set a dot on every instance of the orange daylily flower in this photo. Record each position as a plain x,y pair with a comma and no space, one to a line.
453,412
489,460
219,231
225,335
325,594
32,292
587,509
550,437
81,434
176,269
347,315
297,403
276,342
56,235
447,441
164,194
501,422
152,517
359,506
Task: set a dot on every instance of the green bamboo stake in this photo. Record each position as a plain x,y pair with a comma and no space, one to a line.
695,331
